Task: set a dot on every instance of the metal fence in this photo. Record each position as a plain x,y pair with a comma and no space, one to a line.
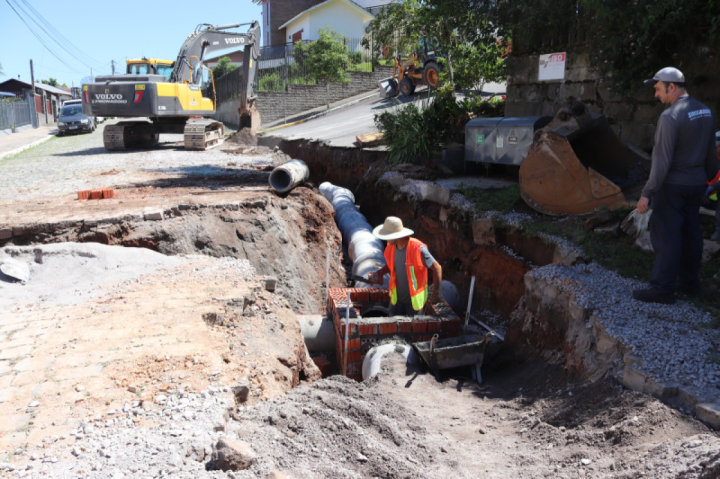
15,112
281,65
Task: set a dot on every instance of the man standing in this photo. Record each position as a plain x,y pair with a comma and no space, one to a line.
407,261
683,160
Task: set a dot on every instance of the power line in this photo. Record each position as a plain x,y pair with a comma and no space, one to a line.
59,37
43,41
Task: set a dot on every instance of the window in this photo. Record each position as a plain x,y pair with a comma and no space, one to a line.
165,70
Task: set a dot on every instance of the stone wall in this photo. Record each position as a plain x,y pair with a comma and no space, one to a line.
301,98
633,117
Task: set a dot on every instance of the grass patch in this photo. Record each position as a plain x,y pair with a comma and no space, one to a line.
501,200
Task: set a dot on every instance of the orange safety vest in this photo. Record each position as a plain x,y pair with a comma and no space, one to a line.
417,273
713,195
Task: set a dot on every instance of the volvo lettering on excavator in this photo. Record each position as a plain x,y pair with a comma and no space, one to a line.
172,97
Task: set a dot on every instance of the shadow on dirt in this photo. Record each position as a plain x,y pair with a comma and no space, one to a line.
208,177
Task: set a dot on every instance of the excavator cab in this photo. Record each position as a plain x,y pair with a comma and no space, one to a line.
150,66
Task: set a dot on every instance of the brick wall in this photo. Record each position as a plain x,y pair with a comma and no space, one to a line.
280,12
633,116
301,98
365,333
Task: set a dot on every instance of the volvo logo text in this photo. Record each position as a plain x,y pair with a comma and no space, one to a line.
234,40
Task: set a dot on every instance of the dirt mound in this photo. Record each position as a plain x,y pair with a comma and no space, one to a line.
243,137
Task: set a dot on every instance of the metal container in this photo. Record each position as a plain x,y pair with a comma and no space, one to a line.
504,141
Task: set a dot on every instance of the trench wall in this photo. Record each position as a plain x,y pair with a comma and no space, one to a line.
633,116
298,99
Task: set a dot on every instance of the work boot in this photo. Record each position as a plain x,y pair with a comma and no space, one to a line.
690,292
652,295
715,236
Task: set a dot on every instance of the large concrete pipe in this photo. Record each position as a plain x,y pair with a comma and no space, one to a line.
373,359
318,332
289,175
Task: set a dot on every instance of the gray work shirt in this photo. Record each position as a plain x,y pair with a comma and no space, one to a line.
684,152
401,279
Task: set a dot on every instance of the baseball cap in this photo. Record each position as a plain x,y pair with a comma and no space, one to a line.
667,74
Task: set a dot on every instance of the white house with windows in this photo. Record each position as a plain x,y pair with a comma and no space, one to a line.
346,17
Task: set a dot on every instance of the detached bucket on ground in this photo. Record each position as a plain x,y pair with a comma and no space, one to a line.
286,177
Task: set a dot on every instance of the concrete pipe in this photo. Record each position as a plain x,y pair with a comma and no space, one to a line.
450,293
318,332
373,359
331,191
286,177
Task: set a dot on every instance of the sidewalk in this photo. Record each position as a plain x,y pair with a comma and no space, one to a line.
17,142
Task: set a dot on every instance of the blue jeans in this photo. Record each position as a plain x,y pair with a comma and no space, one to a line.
676,237
405,309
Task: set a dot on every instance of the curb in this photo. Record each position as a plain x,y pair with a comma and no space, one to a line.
26,147
319,114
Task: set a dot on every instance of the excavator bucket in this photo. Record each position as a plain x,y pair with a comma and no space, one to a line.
576,164
250,118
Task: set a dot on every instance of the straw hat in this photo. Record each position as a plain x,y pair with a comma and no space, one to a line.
392,229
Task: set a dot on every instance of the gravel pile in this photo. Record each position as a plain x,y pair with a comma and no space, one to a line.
674,342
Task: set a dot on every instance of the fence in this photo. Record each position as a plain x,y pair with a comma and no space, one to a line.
279,66
15,113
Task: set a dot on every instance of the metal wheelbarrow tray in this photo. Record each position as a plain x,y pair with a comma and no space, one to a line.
466,350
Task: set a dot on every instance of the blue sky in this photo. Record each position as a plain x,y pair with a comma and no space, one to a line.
99,31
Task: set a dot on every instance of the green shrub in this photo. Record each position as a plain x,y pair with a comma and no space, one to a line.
406,134
270,82
355,57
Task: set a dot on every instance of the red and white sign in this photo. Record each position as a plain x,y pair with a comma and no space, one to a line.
552,67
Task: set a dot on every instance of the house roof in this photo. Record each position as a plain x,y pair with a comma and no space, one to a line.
26,85
320,5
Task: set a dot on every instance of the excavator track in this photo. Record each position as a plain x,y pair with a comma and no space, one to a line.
203,134
127,135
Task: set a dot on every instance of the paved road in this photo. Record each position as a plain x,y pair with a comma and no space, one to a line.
340,127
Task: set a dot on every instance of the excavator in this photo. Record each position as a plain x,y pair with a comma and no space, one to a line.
170,94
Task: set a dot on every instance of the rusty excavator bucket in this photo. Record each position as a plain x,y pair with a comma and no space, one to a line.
576,164
250,119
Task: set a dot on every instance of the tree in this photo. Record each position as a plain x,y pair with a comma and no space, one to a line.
325,59
223,66
51,81
465,29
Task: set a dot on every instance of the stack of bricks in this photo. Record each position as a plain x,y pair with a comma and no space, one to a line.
96,194
364,333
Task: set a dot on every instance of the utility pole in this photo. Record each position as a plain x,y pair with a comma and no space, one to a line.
32,89
113,66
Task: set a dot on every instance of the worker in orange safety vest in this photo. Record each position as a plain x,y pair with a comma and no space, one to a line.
408,261
712,191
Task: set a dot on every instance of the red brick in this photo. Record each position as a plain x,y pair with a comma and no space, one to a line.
83,195
353,344
96,194
404,327
434,326
379,296
323,365
388,328
108,193
356,377
430,309
452,325
419,326
368,329
353,356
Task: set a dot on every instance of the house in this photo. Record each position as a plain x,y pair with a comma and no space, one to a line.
287,21
53,97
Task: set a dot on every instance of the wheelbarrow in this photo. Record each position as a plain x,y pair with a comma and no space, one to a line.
466,350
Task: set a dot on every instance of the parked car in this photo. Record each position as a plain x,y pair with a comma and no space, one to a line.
72,120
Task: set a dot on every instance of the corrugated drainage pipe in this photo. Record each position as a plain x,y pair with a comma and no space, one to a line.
286,177
373,359
364,249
